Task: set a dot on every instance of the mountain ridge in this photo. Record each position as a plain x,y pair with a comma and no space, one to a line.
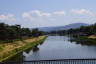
73,25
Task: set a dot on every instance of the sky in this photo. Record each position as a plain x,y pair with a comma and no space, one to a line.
45,13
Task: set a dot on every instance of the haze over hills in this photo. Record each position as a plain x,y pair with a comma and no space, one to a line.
74,25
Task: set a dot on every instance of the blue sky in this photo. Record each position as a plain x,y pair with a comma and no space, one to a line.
43,13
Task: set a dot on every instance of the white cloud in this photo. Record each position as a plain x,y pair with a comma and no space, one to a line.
46,14
40,18
36,18
39,13
59,12
8,17
2,17
81,11
34,14
26,16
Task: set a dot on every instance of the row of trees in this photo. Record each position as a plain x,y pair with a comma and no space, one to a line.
13,32
83,30
59,32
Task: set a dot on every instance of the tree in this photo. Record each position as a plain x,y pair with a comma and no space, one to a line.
36,32
26,32
13,32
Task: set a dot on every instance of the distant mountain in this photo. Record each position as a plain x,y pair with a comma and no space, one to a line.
74,25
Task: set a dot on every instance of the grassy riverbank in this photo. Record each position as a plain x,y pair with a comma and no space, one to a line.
7,50
85,40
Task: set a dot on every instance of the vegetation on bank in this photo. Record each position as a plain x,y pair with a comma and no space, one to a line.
14,39
92,37
83,40
82,31
9,33
85,35
10,49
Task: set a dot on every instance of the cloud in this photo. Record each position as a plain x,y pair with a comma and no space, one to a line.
35,13
59,13
38,13
38,18
81,11
83,15
27,15
41,18
45,14
8,17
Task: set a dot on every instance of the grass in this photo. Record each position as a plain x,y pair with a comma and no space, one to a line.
85,40
92,37
10,49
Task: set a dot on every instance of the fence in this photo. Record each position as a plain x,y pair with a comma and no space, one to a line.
58,61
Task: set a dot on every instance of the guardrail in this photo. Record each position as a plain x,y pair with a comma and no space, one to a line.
57,61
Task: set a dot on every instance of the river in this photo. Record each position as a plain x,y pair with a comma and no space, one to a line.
57,47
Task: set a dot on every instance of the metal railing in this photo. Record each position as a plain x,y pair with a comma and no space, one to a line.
57,61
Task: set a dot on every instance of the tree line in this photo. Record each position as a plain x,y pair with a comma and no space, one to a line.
13,32
83,30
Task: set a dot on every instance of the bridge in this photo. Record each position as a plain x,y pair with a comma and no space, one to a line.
57,61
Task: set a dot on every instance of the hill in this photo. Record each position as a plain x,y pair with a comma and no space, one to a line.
74,25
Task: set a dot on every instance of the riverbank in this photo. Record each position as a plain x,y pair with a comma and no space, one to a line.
7,50
92,37
84,40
